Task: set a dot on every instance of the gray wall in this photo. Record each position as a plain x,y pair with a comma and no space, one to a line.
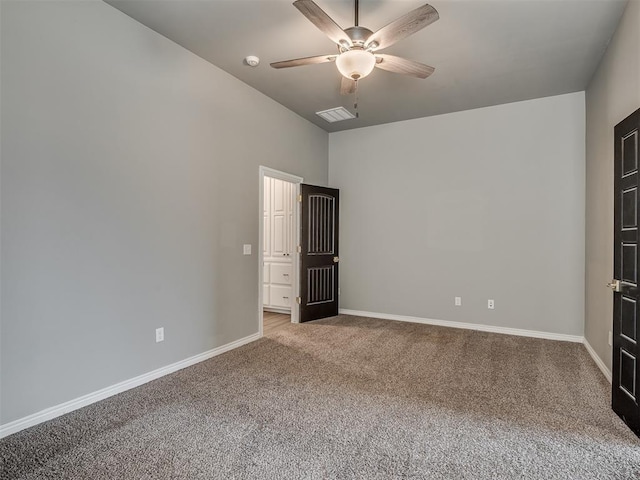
129,184
481,204
613,94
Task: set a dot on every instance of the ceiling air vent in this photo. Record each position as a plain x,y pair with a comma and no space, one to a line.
336,114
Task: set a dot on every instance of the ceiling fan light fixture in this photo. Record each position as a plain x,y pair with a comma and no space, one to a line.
356,63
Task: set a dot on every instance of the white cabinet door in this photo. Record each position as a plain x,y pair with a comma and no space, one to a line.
281,273
280,296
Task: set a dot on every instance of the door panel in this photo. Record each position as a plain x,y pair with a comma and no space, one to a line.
266,248
321,238
281,273
291,199
628,322
278,235
280,296
320,284
626,368
279,218
319,258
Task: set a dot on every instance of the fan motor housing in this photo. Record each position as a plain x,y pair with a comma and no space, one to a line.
358,35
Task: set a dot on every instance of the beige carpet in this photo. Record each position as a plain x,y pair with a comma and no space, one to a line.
347,398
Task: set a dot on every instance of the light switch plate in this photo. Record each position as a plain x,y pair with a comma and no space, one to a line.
246,249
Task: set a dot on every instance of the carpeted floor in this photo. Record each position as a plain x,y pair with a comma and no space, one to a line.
349,397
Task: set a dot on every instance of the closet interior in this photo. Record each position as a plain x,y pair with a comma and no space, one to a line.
279,198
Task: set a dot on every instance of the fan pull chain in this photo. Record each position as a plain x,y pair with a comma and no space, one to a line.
355,105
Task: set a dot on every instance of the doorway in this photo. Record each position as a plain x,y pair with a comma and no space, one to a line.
279,261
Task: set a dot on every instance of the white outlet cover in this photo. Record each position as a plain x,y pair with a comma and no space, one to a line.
160,334
246,249
458,301
491,304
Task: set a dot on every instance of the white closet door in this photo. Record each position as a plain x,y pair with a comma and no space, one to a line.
278,219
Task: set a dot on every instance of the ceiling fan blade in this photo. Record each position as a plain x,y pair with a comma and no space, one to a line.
324,22
297,62
404,66
403,27
347,86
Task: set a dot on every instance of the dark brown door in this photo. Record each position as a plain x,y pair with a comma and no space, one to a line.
626,368
319,256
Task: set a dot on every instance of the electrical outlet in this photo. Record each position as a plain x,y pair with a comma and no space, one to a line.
490,304
458,301
160,334
610,338
246,249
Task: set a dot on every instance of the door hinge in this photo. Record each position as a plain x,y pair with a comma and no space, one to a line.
299,198
299,300
299,248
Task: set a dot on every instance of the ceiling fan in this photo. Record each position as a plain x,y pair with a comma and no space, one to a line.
358,46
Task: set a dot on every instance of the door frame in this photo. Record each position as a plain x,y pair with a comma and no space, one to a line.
295,265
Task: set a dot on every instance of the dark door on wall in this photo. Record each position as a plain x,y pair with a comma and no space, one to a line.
319,255
626,367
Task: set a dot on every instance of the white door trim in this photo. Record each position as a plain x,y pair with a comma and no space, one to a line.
295,282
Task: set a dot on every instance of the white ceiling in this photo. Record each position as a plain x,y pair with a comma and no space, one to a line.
485,52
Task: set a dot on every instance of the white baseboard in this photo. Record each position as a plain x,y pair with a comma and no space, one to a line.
598,360
83,401
469,326
285,311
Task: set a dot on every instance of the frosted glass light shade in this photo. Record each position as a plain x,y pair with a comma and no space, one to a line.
355,64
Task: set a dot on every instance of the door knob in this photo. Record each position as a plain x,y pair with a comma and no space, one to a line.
614,285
